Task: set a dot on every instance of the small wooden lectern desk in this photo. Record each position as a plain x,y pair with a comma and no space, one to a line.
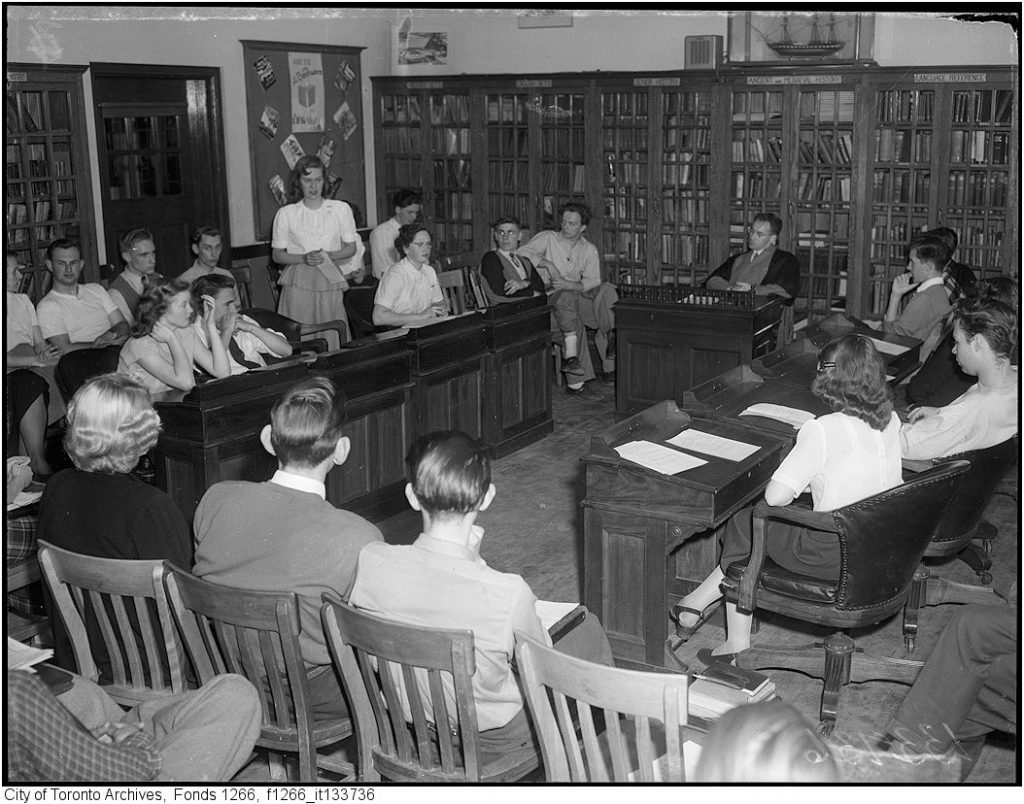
639,550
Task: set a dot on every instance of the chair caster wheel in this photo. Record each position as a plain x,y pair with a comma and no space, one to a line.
985,577
908,643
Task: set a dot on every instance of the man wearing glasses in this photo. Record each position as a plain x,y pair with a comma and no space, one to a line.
80,321
765,268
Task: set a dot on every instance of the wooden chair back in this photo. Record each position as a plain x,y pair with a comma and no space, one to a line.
254,634
453,286
641,712
400,681
125,602
242,273
262,280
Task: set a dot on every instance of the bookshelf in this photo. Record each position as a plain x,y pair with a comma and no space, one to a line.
48,188
674,165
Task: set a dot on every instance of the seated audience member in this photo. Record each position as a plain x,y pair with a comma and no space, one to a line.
245,341
506,275
206,245
100,508
82,735
967,688
941,380
80,321
26,393
569,265
923,314
440,581
985,340
407,205
163,348
764,742
408,292
844,456
283,535
139,254
958,278
764,268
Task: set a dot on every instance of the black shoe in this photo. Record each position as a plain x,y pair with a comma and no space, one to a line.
572,365
609,350
574,391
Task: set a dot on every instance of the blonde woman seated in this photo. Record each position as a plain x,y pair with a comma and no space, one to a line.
100,508
841,457
163,347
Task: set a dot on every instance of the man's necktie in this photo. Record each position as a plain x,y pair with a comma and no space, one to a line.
236,354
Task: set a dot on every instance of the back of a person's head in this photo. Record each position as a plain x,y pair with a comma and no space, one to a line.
305,423
929,249
851,379
765,742
209,285
450,472
991,319
948,237
1000,288
111,424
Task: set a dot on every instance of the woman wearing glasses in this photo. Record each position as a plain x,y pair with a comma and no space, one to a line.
765,268
409,292
841,457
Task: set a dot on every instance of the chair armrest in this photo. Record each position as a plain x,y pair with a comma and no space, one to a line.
914,466
816,520
337,325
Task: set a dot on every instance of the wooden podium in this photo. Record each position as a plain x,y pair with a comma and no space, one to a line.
673,338
640,551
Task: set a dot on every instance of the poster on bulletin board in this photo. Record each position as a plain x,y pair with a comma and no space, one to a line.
303,99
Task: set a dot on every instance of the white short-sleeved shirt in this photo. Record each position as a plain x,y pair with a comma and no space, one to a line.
136,348
83,317
382,247
842,459
299,229
408,290
21,318
252,347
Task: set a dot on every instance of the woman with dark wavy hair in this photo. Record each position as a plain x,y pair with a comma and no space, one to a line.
842,457
163,348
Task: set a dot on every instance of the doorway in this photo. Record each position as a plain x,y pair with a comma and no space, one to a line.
160,149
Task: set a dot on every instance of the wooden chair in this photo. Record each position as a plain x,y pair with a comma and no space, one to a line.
453,286
881,539
379,661
256,634
641,713
127,601
956,530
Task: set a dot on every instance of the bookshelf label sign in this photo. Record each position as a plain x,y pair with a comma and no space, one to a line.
793,79
425,85
18,77
950,78
656,82
533,83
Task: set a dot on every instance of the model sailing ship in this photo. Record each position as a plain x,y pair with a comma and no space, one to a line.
816,46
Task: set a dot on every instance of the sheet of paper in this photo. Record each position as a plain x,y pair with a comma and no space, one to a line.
23,657
331,271
781,413
710,444
551,611
887,348
660,459
24,498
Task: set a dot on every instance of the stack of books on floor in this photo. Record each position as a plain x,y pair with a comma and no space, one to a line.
721,687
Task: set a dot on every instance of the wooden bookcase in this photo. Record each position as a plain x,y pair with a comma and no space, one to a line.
853,159
49,192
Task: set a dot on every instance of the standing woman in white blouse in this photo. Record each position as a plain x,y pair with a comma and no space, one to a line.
316,239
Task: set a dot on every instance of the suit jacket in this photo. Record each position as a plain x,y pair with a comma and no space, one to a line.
497,269
784,270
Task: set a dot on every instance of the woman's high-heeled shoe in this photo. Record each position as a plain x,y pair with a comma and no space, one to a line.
684,632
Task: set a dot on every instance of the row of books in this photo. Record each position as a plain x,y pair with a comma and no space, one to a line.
453,238
756,106
900,186
509,175
625,105
674,274
979,147
903,145
563,143
824,188
824,148
625,140
507,142
677,210
402,140
894,253
449,109
626,208
455,206
757,184
451,141
625,174
400,109
987,105
685,175
835,225
17,213
897,233
686,139
403,173
506,109
686,249
905,106
688,104
828,106
749,146
564,177
506,205
977,188
452,173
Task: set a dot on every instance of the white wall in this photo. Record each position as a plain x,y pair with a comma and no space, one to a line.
479,41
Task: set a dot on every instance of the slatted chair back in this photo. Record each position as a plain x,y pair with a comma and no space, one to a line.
400,681
453,286
124,601
641,713
242,273
255,634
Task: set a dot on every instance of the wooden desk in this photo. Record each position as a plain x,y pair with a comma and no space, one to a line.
640,552
518,392
671,339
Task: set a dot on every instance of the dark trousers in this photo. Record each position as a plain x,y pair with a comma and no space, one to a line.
797,549
75,369
22,387
967,687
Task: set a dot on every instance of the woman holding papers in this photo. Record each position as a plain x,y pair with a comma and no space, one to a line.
316,238
840,457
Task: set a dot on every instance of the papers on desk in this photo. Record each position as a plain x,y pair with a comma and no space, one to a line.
709,444
887,348
781,413
24,498
661,459
24,657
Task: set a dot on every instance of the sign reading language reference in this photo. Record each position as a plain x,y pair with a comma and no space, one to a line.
710,444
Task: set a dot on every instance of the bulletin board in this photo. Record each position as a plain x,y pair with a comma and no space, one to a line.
303,99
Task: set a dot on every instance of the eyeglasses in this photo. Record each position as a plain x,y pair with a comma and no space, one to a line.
420,245
500,233
754,233
823,366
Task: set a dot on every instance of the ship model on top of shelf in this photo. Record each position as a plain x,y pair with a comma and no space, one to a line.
814,47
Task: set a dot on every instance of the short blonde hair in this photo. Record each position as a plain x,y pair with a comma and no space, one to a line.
111,424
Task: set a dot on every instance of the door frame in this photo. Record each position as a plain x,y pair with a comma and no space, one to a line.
206,133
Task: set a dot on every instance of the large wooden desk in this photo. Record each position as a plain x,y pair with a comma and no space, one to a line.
671,339
640,551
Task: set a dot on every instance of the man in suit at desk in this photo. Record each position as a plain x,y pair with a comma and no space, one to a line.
765,268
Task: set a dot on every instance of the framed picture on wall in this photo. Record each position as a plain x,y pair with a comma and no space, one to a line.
800,37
